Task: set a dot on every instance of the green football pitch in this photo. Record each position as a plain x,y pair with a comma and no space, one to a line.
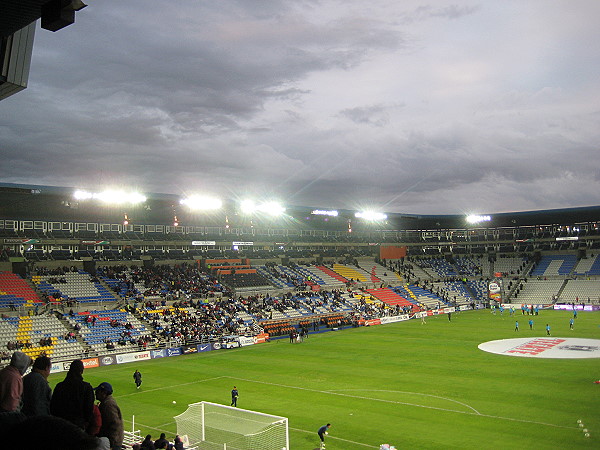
408,384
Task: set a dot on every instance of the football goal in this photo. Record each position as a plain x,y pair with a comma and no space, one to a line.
213,426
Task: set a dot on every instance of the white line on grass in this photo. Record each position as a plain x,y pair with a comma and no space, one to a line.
405,403
336,438
167,387
412,393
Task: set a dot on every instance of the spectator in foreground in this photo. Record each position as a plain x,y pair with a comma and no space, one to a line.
73,398
36,390
178,443
50,433
161,442
112,421
147,443
11,382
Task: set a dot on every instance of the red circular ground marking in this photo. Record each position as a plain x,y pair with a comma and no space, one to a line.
544,347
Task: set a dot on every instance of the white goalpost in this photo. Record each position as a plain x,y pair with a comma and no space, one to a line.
212,426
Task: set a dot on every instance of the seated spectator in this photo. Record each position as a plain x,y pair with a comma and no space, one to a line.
147,443
161,442
178,443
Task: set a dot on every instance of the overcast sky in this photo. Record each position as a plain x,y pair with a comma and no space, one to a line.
421,107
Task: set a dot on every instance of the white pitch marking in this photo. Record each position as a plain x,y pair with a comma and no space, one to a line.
167,387
412,393
405,403
336,438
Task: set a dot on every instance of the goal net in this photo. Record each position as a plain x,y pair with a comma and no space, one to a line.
213,426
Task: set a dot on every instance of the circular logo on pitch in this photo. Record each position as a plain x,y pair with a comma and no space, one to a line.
544,347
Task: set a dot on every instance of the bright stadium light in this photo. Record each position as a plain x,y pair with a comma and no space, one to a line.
111,196
248,206
322,212
82,195
199,202
370,215
120,197
270,208
475,218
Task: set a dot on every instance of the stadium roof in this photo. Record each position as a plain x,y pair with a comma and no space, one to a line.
19,200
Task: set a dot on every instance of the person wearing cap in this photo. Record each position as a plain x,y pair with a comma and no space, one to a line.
112,421
73,398
11,382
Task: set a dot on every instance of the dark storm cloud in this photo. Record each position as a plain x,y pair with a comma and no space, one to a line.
423,107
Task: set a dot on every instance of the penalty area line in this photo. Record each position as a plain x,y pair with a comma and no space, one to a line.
336,438
360,397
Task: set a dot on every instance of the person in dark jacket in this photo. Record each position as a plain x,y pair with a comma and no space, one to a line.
161,441
112,420
147,444
36,390
178,443
50,433
137,377
73,398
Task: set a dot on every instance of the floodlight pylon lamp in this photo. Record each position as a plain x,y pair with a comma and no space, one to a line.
248,206
201,202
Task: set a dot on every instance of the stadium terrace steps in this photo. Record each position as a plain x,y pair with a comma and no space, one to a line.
588,266
379,273
33,329
316,276
389,297
374,277
75,285
336,276
15,290
553,265
350,273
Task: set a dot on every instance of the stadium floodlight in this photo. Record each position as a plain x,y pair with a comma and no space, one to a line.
82,195
475,218
271,208
248,206
201,202
211,425
111,196
370,215
322,212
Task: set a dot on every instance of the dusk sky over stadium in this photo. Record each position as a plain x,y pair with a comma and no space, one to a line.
420,107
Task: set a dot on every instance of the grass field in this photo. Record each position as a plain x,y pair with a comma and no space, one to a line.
406,384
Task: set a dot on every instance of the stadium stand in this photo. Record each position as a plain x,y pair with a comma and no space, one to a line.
14,291
588,266
554,265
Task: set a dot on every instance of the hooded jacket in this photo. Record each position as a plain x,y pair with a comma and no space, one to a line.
11,382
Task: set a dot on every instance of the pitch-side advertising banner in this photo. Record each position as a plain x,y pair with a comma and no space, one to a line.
107,360
393,319
133,357
245,340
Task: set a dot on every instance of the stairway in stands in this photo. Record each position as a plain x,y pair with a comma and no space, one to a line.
388,296
332,274
350,273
